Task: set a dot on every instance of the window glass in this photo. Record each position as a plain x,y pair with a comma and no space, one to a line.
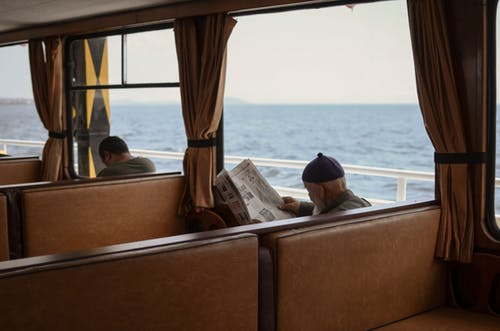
89,67
19,119
151,57
335,80
149,120
135,101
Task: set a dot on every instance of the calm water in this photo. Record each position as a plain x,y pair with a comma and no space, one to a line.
391,136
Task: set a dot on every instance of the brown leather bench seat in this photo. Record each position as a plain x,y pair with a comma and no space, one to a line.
377,272
373,271
200,285
71,216
15,170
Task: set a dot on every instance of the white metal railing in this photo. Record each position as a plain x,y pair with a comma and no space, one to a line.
402,176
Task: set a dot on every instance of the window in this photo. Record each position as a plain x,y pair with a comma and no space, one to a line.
126,85
19,118
331,80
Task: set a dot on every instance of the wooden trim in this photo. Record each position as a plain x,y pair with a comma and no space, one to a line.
18,158
341,218
146,16
98,180
116,255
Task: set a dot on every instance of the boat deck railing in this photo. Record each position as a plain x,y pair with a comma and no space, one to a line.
401,176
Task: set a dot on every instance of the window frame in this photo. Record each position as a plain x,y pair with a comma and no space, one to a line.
70,88
491,148
492,227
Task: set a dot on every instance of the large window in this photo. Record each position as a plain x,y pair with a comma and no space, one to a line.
18,117
331,80
126,85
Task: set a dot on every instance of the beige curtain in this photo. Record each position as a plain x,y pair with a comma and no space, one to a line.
448,123
46,62
201,51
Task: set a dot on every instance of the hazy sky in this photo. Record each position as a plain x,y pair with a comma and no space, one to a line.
330,55
323,56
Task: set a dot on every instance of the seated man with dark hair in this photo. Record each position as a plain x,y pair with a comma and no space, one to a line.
118,160
324,179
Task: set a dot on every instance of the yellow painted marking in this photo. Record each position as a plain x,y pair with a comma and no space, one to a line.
91,79
91,164
104,79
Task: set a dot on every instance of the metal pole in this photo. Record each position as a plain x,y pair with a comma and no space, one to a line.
401,192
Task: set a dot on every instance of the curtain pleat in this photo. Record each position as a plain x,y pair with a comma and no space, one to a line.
447,123
201,50
46,63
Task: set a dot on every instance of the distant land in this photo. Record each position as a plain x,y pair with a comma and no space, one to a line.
129,102
16,101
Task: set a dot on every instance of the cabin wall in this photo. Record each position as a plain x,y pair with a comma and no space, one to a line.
468,39
4,233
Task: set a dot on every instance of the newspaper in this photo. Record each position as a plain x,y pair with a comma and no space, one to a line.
248,194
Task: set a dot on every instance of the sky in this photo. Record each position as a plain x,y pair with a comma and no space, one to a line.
329,55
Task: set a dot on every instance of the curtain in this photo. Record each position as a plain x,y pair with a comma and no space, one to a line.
201,51
46,63
447,119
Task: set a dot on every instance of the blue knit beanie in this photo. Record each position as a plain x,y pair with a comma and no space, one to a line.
322,169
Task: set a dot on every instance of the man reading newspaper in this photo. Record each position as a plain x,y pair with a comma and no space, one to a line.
248,195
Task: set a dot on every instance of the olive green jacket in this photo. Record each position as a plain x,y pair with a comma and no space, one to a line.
345,201
136,165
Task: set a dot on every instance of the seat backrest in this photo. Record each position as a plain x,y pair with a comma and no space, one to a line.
19,170
357,276
202,285
4,230
67,218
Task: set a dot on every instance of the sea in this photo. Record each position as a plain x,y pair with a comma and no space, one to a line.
373,135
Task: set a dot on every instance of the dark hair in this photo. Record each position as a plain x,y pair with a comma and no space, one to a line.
114,145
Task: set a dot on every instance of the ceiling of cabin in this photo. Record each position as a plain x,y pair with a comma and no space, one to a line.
20,14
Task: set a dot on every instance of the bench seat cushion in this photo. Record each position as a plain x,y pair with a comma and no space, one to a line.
446,319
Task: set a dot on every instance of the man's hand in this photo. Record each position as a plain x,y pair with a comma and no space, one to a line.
290,204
